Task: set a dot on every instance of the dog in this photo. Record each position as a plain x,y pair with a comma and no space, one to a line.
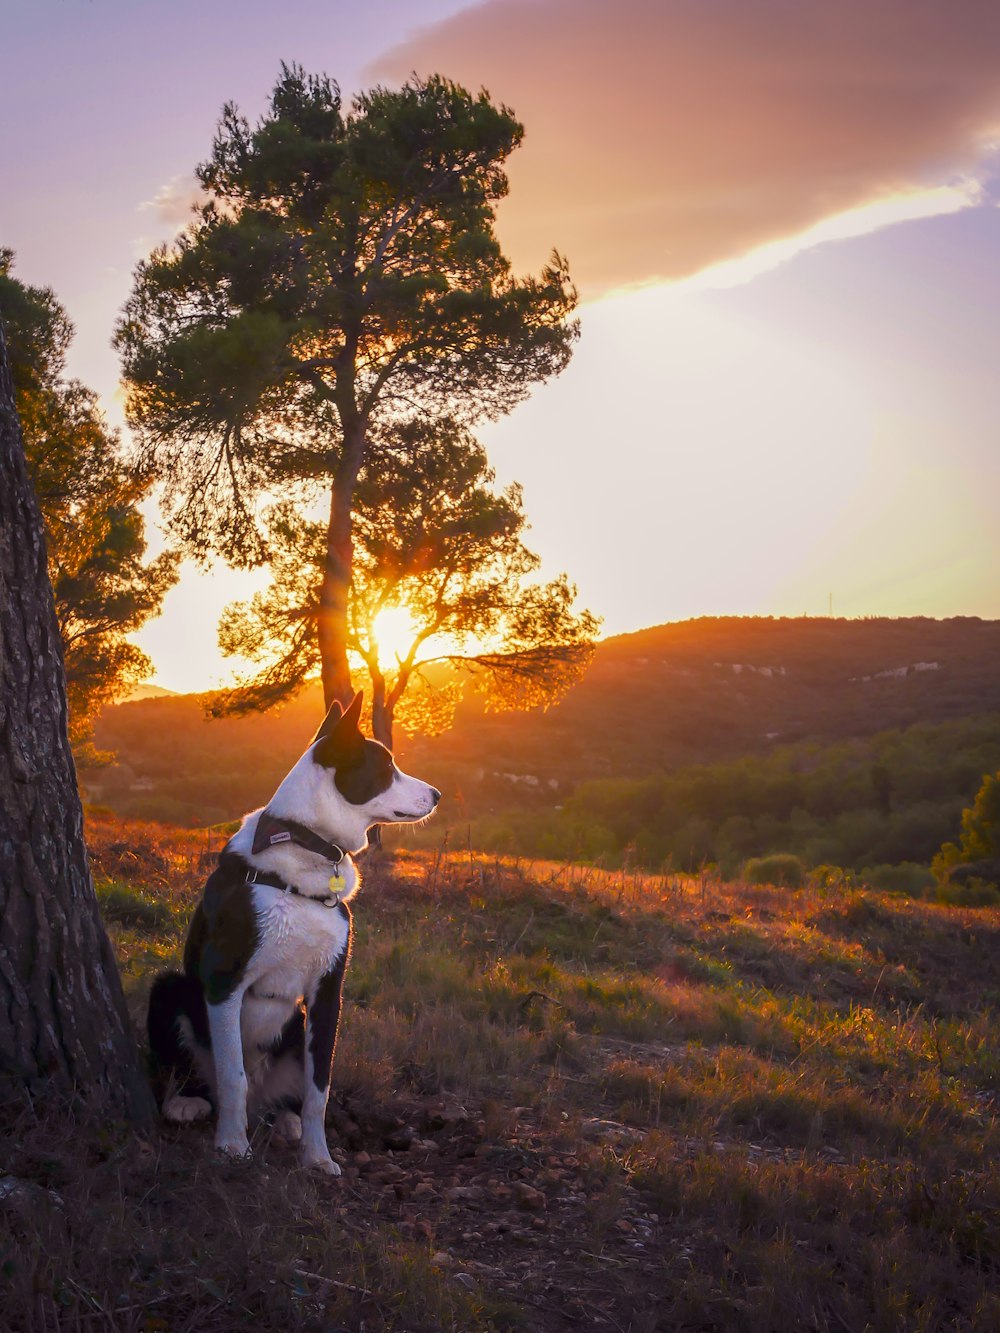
250,1025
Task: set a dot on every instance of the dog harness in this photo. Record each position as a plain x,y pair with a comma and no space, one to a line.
274,832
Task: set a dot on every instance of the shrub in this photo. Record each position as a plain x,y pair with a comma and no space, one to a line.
909,878
781,869
832,877
973,892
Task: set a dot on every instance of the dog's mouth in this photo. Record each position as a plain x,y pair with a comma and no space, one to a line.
406,814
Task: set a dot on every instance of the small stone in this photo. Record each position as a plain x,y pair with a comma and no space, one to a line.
442,1259
466,1279
389,1174
423,1189
539,1223
400,1139
528,1197
362,1159
423,1228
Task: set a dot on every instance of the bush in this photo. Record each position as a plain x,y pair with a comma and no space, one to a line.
832,877
909,878
781,869
972,893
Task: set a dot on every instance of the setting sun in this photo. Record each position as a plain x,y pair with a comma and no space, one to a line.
394,634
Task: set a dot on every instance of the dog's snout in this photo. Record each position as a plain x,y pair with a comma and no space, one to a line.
436,794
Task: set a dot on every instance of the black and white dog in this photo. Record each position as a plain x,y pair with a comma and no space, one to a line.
250,1025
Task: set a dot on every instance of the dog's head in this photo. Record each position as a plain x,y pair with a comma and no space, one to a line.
365,785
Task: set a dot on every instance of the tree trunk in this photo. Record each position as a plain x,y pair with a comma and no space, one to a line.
382,711
331,630
64,1028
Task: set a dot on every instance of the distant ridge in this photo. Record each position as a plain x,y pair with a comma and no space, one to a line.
147,691
696,691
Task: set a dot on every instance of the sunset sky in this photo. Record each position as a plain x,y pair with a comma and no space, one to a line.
782,217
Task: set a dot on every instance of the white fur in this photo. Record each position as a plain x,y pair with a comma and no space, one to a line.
288,1126
182,1109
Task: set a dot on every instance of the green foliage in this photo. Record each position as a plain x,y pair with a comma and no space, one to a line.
780,868
916,881
89,501
433,537
816,802
981,822
973,892
980,836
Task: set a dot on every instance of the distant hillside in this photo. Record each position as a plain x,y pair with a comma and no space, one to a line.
717,688
694,692
147,691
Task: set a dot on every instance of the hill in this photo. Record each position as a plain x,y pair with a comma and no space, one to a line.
716,688
563,1100
657,701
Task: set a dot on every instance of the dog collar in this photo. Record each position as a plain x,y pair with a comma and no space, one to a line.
273,832
273,881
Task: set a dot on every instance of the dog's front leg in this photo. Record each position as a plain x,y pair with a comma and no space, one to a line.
322,1018
230,1075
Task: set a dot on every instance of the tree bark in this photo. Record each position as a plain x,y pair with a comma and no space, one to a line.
64,1028
331,629
382,712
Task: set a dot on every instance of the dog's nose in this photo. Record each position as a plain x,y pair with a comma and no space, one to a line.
436,794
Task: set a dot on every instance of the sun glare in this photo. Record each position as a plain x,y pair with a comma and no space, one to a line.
394,634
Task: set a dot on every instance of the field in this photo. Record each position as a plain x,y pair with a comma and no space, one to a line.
563,1099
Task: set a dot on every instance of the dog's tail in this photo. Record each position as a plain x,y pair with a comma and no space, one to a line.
177,1023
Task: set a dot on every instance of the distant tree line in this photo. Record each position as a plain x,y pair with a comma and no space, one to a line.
891,798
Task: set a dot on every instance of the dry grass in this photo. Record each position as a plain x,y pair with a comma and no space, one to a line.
798,1088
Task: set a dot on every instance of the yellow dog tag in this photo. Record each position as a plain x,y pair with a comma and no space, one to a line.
338,883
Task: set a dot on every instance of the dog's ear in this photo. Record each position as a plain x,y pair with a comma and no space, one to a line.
329,722
352,718
344,739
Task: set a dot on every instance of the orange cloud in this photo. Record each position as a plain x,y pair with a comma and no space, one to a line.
668,136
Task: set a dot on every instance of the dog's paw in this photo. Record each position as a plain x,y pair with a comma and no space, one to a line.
235,1146
183,1109
325,1165
288,1126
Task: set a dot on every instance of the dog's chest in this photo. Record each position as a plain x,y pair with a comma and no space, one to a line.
299,943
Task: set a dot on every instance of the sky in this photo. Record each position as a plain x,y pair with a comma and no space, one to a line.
782,219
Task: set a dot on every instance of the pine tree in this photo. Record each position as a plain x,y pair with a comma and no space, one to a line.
342,278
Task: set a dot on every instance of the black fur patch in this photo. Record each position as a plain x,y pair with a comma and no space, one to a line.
172,998
362,769
365,775
225,932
